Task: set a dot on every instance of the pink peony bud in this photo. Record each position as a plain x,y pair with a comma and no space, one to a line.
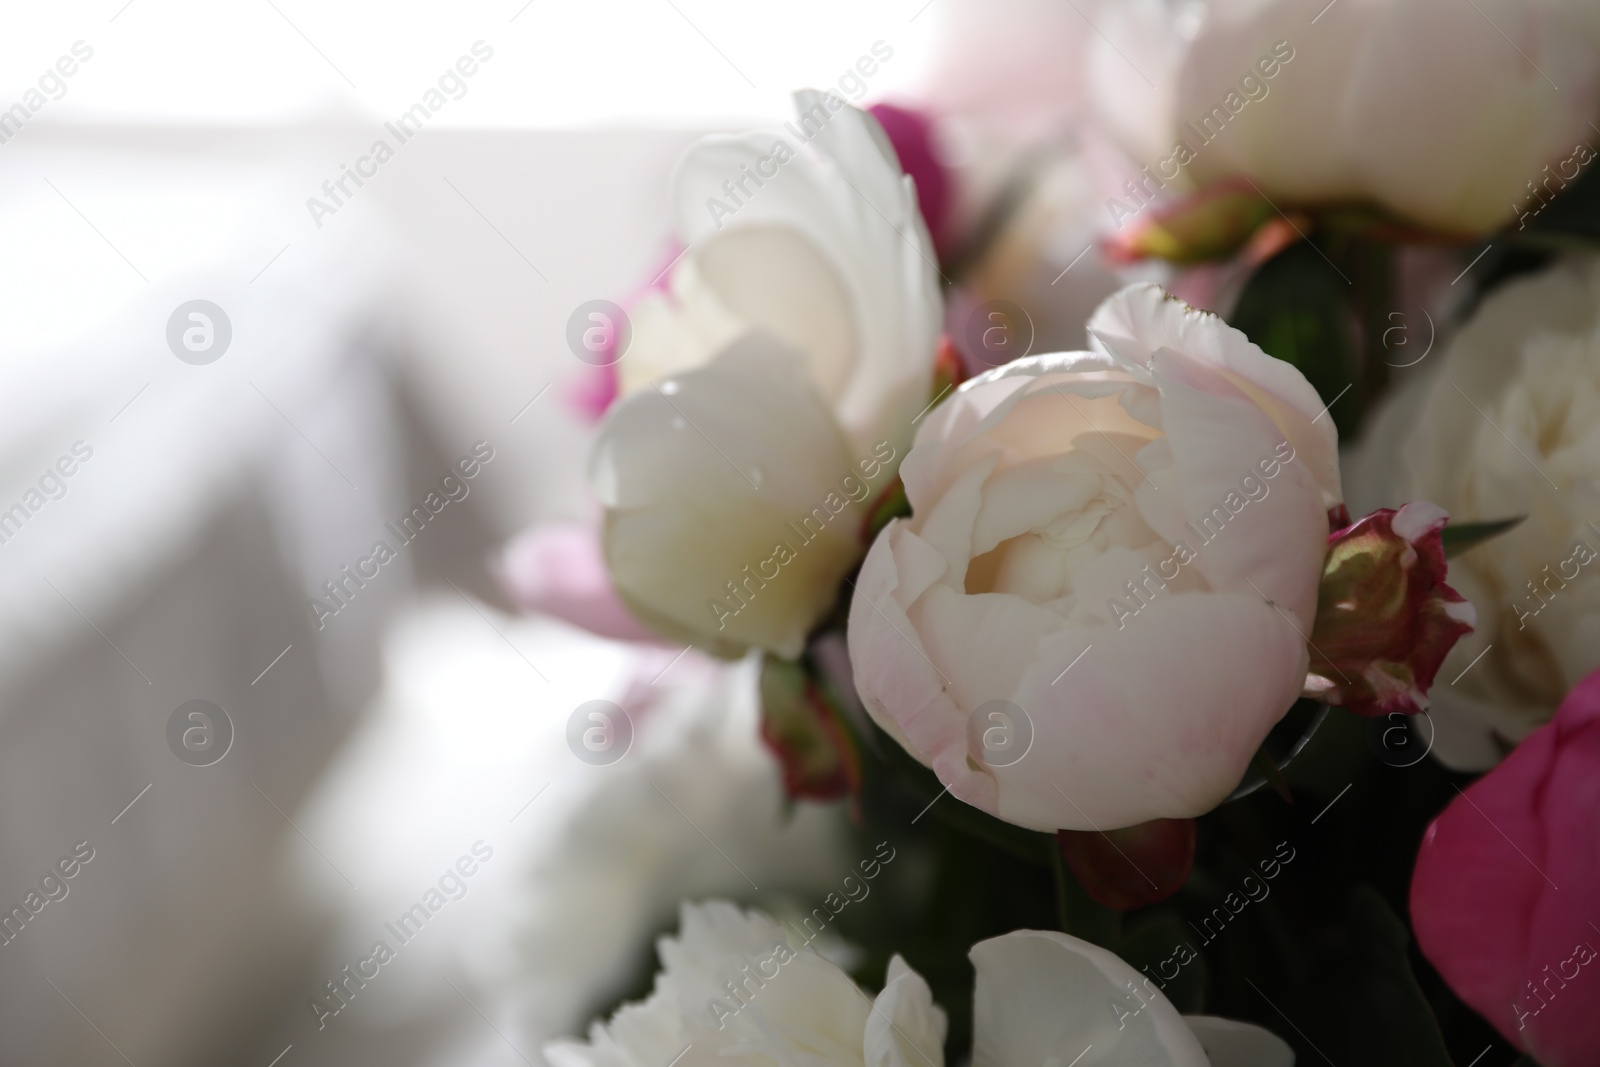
1385,618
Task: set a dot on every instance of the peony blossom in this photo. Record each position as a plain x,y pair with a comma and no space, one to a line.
1504,894
1442,114
1120,547
1504,423
737,988
773,389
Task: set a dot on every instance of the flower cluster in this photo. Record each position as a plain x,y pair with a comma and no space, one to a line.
1077,549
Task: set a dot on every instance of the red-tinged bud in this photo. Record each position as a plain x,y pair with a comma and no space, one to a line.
1212,224
1133,867
803,730
1385,617
948,370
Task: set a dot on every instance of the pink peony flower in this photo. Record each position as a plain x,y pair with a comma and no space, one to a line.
1505,898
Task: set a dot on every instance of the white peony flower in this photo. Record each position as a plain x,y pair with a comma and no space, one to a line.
736,989
1442,113
1506,422
1123,548
774,389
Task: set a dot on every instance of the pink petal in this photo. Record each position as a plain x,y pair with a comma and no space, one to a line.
1506,890
557,569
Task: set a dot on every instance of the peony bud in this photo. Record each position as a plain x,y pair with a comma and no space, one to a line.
1211,224
1385,618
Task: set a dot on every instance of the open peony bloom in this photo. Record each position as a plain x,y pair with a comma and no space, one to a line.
1440,112
773,388
738,990
1385,618
1505,898
1500,424
1117,552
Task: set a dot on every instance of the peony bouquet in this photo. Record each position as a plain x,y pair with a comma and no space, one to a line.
1164,528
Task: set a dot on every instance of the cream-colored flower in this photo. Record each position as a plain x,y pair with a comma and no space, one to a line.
773,387
736,990
1123,546
1506,422
1442,115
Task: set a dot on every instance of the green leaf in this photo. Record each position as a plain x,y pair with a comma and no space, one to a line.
1297,308
1390,1020
1458,537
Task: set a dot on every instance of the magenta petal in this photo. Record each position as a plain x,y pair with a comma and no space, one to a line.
1505,898
558,569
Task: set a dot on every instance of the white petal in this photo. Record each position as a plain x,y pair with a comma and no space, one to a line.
1044,998
1284,139
1141,321
1155,720
1421,159
1253,534
703,476
1235,1044
676,332
906,1028
867,270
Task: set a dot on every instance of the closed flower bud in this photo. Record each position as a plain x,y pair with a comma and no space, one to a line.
1385,617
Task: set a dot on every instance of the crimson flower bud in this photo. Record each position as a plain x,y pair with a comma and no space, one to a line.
1385,617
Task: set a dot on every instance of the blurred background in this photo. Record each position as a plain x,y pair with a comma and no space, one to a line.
230,370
